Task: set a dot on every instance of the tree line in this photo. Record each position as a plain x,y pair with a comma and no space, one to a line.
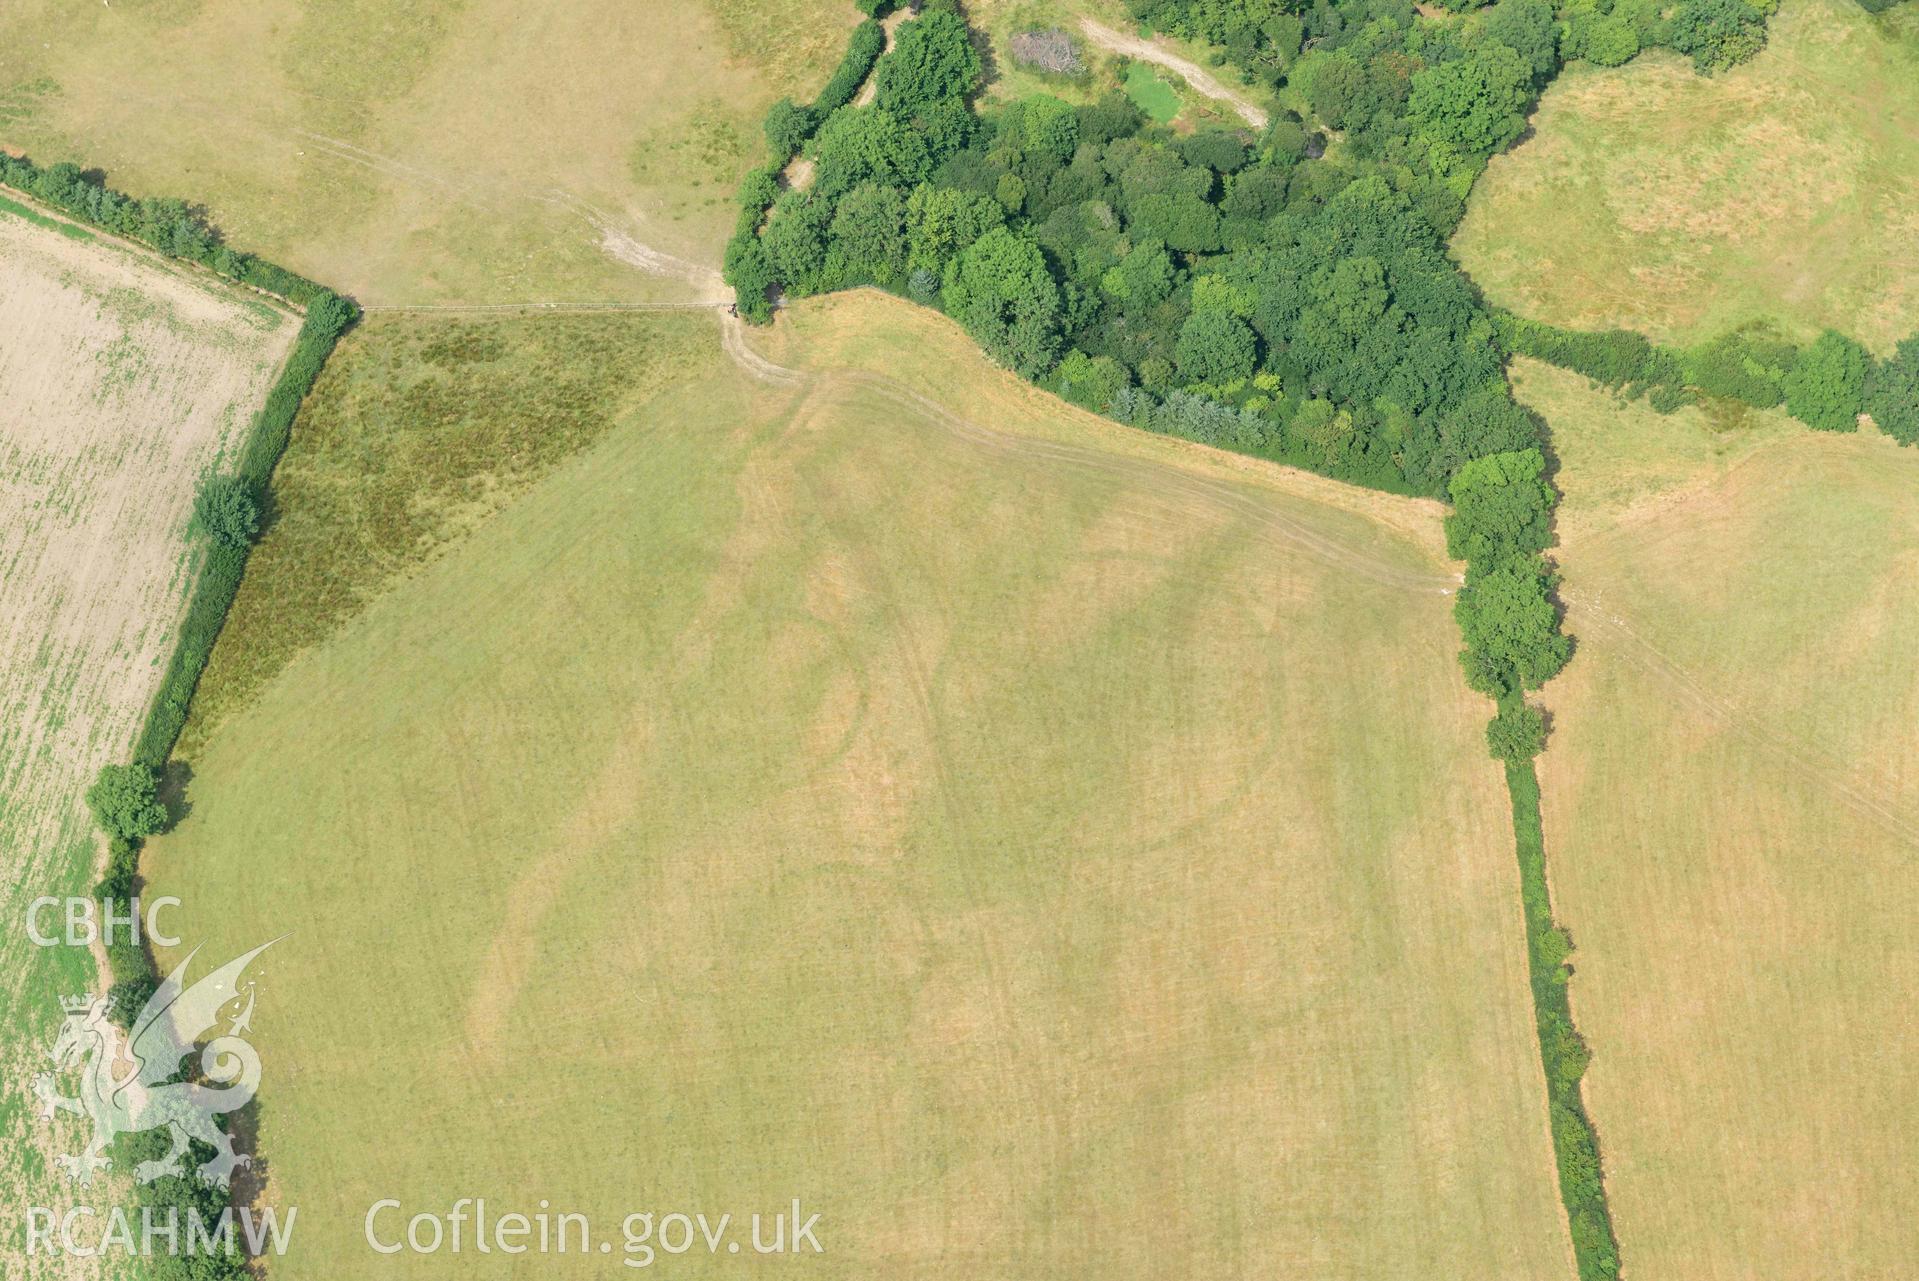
1826,384
171,226
1268,39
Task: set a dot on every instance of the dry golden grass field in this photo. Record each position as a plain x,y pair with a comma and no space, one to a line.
123,380
1047,850
1732,817
428,151
1679,205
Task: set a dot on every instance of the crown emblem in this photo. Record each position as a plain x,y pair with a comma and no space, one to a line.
77,1004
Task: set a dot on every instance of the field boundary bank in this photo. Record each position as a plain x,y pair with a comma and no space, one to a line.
176,231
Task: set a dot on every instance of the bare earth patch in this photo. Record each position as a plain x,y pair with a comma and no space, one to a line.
1160,56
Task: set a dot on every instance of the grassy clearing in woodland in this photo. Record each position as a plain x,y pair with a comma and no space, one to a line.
1046,849
481,152
125,380
1733,815
1654,199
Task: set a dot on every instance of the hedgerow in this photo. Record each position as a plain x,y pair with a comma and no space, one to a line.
788,125
178,230
1892,393
1516,734
327,317
124,798
1562,1053
863,49
1826,385
174,227
1613,358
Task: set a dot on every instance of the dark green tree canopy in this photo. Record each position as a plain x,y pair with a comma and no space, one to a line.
932,61
1215,348
788,127
1000,289
1517,734
1511,626
1826,387
1475,104
1716,34
1892,393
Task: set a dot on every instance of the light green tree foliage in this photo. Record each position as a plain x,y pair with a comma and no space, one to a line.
1322,429
1511,627
123,801
1092,381
1001,291
1502,508
1475,104
1213,292
1826,387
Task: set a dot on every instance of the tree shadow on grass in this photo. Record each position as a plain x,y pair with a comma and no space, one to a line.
175,777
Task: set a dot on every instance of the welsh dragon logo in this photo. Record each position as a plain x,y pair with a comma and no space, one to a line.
127,1085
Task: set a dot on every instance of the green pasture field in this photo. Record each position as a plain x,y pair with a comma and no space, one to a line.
1044,849
1151,94
1732,820
1654,199
413,152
